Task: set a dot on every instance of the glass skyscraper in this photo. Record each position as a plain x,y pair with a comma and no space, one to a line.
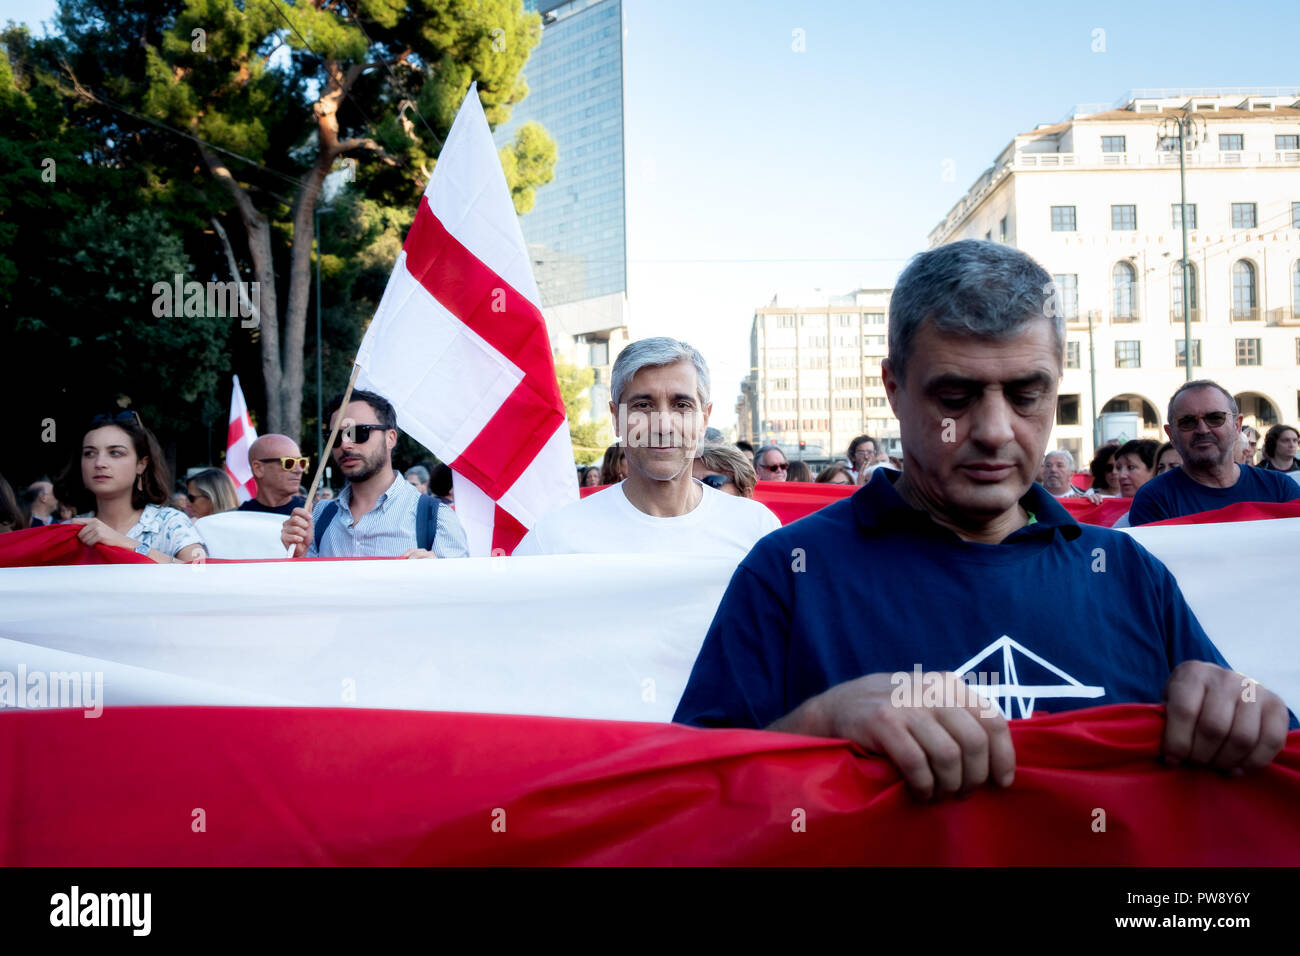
576,229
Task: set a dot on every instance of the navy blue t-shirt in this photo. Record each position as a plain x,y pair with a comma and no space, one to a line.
252,504
1174,494
1071,615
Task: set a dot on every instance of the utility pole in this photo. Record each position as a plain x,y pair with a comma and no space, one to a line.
1189,127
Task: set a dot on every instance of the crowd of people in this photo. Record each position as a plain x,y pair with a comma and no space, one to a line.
968,521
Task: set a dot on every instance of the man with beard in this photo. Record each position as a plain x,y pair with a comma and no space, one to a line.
377,512
1204,423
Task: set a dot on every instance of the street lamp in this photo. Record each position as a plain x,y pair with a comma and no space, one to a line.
1189,127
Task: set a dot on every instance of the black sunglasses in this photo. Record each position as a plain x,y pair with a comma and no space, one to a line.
116,418
356,434
194,498
715,481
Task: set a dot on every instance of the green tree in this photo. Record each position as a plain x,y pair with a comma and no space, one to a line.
590,439
275,95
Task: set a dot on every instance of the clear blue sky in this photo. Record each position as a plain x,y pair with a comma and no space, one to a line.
741,151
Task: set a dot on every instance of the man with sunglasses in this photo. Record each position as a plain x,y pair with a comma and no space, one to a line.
1204,423
378,513
278,466
771,464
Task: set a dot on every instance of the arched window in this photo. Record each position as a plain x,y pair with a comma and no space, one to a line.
1177,290
1125,280
1244,299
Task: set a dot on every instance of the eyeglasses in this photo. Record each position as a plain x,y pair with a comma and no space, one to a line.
117,418
288,462
1187,423
780,466
715,481
356,434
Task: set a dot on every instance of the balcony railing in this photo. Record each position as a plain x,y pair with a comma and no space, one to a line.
1176,315
1283,316
1162,157
1245,315
1125,318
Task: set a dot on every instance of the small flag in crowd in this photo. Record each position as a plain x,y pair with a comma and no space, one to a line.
460,347
240,436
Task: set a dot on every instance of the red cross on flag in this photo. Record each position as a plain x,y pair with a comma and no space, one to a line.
240,435
460,348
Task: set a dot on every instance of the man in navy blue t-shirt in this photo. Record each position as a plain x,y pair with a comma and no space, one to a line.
985,574
1204,422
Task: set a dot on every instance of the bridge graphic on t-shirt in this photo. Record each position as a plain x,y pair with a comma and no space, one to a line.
1010,689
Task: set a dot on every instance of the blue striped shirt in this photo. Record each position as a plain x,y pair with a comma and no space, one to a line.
388,530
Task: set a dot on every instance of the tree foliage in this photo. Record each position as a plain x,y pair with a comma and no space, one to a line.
222,119
590,439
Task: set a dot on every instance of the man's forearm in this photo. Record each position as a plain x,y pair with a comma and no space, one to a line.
809,718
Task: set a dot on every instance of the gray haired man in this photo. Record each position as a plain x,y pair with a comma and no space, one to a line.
660,405
990,563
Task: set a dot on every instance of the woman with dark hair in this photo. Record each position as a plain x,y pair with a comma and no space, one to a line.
798,471
834,474
590,477
1135,465
1167,457
211,492
614,468
12,515
1280,447
1103,469
118,481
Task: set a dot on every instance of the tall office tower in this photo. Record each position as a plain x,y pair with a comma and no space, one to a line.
576,230
1096,199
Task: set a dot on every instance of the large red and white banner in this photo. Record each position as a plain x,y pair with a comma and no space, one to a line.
460,347
505,635
240,435
383,787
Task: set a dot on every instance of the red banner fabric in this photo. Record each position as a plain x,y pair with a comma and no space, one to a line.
58,544
232,786
1242,511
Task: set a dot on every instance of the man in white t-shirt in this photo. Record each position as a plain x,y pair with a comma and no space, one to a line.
660,405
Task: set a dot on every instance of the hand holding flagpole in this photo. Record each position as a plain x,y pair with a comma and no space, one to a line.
329,445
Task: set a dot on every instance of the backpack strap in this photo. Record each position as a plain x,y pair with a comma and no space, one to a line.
326,516
426,521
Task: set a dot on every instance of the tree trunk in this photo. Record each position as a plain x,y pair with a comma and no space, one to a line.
259,249
295,316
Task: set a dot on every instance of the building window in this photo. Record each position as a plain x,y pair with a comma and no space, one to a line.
1123,218
1128,353
1180,352
1113,144
1067,410
1002,229
875,403
873,340
1248,352
1168,144
1072,354
1124,277
1176,290
1178,218
1229,142
1243,215
1286,141
1295,215
875,318
1067,295
1244,301
1063,219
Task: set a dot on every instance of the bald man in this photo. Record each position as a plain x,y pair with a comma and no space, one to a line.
278,466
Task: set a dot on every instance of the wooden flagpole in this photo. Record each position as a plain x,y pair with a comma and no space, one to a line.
329,445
